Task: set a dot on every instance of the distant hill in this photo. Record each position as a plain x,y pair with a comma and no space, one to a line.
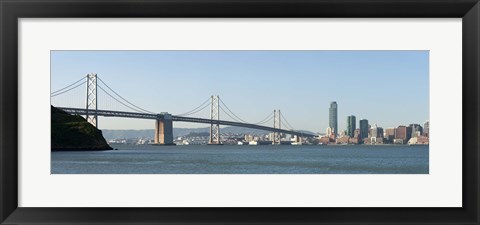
148,133
73,132
201,134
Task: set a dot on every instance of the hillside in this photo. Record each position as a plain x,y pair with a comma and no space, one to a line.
74,133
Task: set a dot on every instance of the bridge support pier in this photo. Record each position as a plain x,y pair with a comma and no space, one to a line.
164,130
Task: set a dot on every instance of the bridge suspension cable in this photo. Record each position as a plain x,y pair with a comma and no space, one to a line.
225,109
267,119
229,115
287,123
138,109
56,92
197,110
239,119
193,111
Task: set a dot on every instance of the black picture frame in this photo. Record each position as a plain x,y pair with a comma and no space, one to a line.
12,10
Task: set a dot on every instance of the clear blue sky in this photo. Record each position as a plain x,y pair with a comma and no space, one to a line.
389,88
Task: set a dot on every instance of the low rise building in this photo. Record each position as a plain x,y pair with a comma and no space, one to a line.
343,140
398,141
356,133
375,140
420,140
324,140
355,140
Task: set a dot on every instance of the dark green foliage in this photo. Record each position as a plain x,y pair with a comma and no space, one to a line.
73,132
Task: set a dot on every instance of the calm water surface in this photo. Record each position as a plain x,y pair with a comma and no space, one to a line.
232,159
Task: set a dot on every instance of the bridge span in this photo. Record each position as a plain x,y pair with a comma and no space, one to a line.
163,122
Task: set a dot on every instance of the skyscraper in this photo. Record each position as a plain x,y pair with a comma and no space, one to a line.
377,132
404,133
333,117
416,128
390,134
363,128
426,128
351,125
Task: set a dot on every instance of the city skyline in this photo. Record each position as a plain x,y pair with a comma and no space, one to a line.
388,88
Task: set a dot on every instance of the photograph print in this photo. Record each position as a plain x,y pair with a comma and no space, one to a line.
240,112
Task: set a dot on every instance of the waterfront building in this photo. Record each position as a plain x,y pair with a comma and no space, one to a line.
403,132
420,140
426,128
332,120
367,141
343,140
248,137
354,140
389,134
288,136
373,140
417,134
356,133
363,128
398,141
416,128
329,131
380,132
332,137
324,140
351,125
377,132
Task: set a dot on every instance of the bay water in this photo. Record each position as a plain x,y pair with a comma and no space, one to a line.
246,159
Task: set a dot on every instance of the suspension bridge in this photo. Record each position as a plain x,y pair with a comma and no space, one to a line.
102,100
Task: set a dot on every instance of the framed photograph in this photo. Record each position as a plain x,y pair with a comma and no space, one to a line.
250,112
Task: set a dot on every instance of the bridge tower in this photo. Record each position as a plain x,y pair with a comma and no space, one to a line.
163,129
276,125
91,101
215,115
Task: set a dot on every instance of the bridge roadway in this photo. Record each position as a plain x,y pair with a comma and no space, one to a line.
108,113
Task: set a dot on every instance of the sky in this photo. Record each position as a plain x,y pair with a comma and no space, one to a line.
389,88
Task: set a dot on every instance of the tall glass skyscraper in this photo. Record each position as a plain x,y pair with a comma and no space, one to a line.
332,121
363,128
351,125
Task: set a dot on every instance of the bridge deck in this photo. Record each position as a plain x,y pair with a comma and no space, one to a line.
109,113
